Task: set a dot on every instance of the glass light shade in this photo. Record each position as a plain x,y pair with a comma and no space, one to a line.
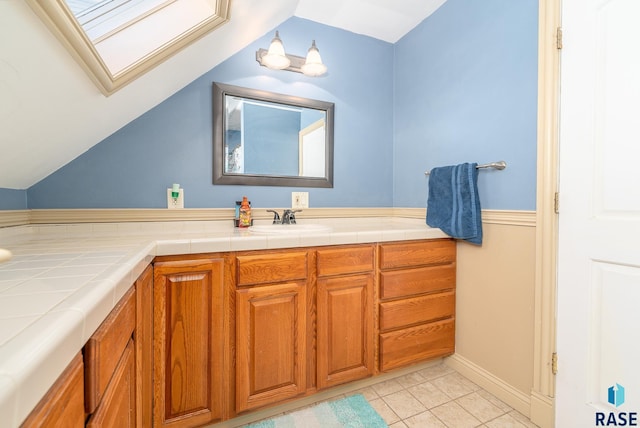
275,58
313,66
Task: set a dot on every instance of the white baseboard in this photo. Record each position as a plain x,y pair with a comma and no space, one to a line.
492,384
542,410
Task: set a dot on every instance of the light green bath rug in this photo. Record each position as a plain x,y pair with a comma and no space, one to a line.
351,412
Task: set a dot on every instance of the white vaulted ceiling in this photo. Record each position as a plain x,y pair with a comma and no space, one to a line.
51,112
382,19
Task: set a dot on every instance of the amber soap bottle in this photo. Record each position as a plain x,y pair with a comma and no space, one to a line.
245,213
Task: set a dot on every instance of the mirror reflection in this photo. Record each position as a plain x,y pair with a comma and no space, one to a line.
265,138
254,128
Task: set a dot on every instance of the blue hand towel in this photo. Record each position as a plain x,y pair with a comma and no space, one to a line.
453,205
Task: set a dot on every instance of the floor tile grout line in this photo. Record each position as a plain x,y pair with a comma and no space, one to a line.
477,388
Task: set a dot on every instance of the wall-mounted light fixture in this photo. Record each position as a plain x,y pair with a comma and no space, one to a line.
275,58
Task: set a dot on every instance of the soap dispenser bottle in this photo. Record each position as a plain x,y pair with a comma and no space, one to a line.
245,213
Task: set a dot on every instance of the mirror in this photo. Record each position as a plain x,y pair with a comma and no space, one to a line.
266,139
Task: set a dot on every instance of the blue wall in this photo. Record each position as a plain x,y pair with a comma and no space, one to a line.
11,199
465,90
460,87
172,143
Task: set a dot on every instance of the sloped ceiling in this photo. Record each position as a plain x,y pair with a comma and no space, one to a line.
50,112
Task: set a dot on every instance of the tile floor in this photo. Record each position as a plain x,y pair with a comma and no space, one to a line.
433,397
439,397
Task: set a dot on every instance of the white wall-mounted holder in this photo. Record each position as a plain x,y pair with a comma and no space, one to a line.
175,197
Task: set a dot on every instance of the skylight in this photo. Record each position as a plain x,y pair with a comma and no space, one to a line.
100,17
81,7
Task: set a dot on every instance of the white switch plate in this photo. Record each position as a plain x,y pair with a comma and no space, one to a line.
299,200
179,202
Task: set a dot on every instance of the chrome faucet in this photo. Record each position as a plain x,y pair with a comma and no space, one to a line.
288,216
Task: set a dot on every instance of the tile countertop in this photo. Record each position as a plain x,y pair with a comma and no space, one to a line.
63,280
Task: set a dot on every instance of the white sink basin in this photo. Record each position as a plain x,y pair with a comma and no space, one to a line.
288,229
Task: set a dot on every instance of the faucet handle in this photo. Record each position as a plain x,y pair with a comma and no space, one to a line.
276,216
292,216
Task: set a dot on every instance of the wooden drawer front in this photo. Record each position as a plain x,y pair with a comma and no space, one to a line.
337,261
63,402
417,253
402,313
409,282
279,267
410,345
104,348
118,408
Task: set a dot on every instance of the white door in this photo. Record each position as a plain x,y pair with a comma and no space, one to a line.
598,336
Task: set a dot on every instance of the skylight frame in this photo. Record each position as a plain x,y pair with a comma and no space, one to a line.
63,24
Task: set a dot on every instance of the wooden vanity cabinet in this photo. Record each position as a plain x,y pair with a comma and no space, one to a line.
238,331
188,306
345,334
417,301
271,327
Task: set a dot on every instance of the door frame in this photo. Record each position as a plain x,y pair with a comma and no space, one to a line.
545,291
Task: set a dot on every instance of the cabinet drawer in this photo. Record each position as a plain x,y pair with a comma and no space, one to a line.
401,313
118,408
410,345
104,348
337,261
406,254
409,282
266,268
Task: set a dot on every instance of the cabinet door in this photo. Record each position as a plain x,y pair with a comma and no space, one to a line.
188,351
271,344
345,329
117,408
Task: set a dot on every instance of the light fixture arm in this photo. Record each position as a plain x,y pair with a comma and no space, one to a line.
296,61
